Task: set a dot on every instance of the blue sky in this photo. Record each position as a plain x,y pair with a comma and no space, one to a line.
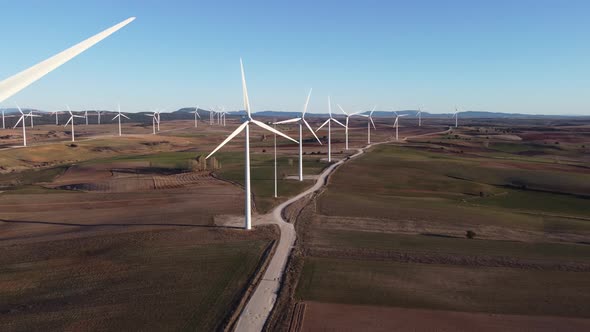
504,56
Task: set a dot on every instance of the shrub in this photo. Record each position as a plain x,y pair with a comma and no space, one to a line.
470,234
263,150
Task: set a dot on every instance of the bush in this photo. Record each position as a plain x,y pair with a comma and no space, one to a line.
470,234
263,150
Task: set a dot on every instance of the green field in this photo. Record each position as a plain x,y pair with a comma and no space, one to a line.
445,287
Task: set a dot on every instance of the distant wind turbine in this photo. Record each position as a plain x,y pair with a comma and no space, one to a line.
16,83
196,113
71,120
396,124
301,121
154,120
119,115
246,126
22,118
98,113
346,127
57,113
369,123
419,115
456,116
329,123
3,120
86,116
31,115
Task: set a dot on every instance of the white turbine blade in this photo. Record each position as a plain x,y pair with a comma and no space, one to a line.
19,120
395,113
245,90
323,124
363,115
329,106
373,123
338,122
313,132
229,138
340,107
125,116
396,119
70,119
78,116
16,83
116,116
21,111
271,129
373,110
403,115
288,121
306,103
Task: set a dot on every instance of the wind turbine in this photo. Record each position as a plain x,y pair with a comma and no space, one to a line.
158,122
3,120
396,124
119,115
22,118
154,120
246,126
456,116
98,114
196,113
329,123
301,121
71,119
31,115
419,115
369,123
57,113
16,83
346,127
86,116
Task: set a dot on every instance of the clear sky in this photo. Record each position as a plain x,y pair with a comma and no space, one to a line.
505,56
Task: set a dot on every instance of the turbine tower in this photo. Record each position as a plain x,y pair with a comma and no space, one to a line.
419,115
71,119
31,115
346,127
119,115
456,116
246,126
56,117
301,121
22,118
154,120
329,123
396,124
98,115
369,123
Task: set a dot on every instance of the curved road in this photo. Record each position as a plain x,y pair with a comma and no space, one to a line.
258,308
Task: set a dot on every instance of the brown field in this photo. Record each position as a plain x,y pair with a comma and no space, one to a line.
346,317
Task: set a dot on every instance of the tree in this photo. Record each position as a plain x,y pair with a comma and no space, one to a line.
470,234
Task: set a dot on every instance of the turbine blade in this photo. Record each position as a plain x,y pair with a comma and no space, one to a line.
288,121
373,110
306,103
116,116
340,107
245,90
21,111
125,116
19,120
323,124
16,83
338,122
313,132
229,138
271,129
373,123
70,119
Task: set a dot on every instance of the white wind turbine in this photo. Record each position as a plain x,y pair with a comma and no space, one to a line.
98,113
346,127
71,119
86,116
396,124
22,118
3,120
57,113
119,115
369,123
246,126
31,115
329,123
154,121
456,116
301,121
419,115
196,113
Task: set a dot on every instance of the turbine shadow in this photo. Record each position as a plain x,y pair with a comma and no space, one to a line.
112,225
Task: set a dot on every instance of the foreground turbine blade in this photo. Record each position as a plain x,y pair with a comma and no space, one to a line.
313,132
373,123
338,122
69,120
306,103
323,124
245,90
16,83
19,120
288,121
271,129
229,138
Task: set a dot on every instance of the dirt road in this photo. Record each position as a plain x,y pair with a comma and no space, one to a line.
258,308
